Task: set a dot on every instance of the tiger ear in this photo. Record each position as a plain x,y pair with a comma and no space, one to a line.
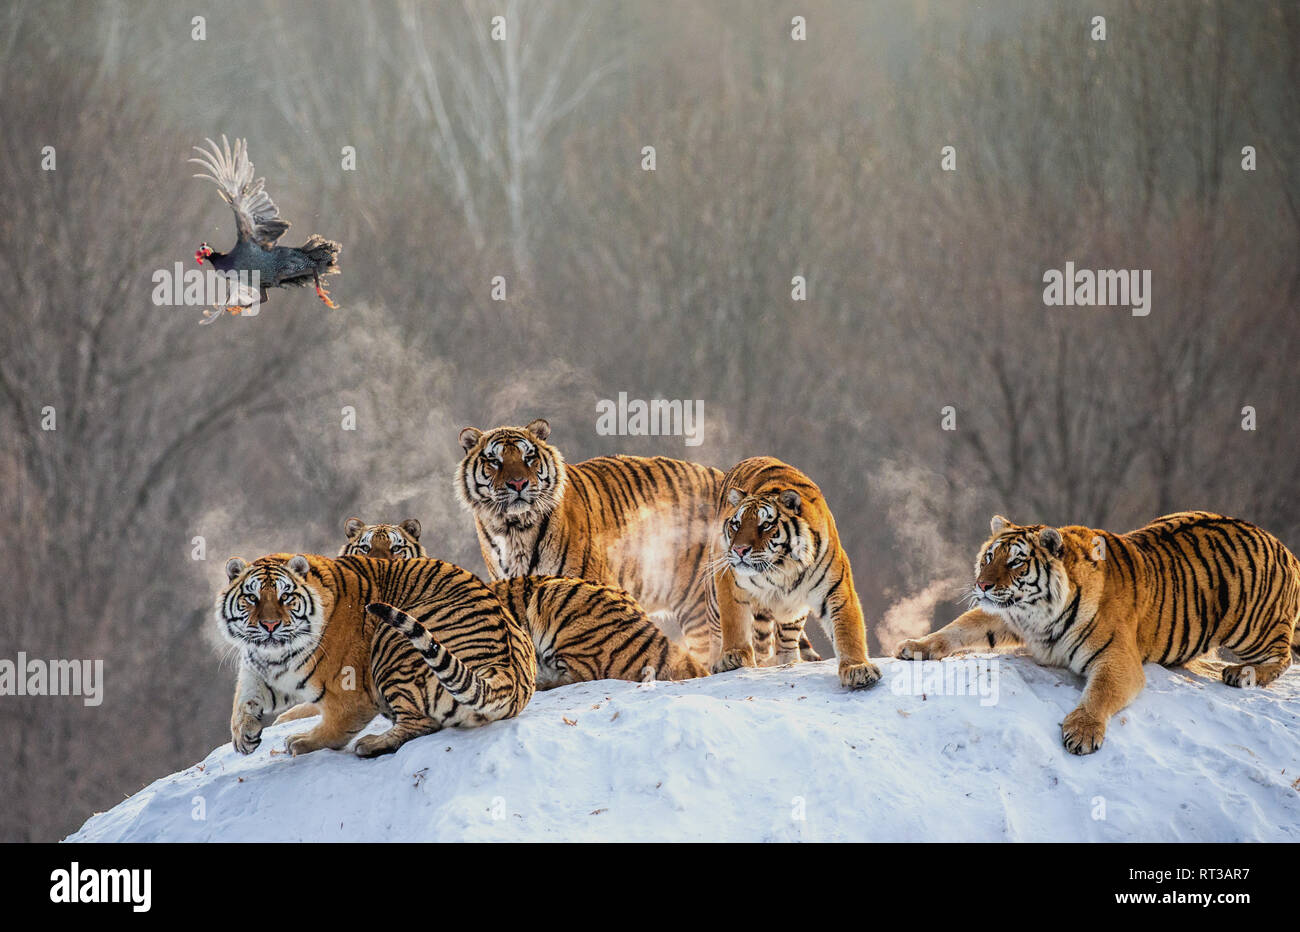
298,565
792,500
353,527
234,567
412,527
998,523
468,437
734,496
540,428
1050,538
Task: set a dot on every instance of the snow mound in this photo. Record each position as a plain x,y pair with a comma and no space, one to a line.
777,754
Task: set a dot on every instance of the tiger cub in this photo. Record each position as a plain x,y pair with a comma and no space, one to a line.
338,634
641,524
779,556
581,630
1103,604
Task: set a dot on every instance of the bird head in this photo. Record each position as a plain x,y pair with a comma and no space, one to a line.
202,253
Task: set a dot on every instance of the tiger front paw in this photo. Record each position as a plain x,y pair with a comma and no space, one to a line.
859,675
305,743
1082,733
374,745
927,648
246,732
734,659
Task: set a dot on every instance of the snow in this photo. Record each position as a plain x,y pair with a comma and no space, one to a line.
776,754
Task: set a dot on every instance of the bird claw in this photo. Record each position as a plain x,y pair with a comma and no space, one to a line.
211,314
325,296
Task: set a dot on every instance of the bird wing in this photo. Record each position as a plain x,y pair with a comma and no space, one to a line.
256,216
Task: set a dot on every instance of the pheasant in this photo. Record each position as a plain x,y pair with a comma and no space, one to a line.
259,225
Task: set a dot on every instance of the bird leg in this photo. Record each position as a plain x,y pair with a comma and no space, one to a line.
321,292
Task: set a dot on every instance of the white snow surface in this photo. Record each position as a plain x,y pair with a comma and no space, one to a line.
775,754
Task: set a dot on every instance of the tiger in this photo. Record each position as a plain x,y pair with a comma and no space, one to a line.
581,630
423,642
778,555
641,524
584,631
382,541
1102,604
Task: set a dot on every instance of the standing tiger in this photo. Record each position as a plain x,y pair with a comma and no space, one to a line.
1103,604
581,630
308,630
641,524
780,557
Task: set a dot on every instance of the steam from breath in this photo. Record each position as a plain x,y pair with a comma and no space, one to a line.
936,569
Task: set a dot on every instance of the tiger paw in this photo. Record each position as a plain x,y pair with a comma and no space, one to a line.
246,733
859,675
1082,733
734,659
374,745
304,743
920,649
1240,675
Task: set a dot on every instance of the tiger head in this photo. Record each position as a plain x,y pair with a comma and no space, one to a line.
383,541
1021,572
769,535
269,610
510,472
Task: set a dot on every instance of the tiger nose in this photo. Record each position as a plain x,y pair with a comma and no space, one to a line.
742,549
517,484
270,625
984,586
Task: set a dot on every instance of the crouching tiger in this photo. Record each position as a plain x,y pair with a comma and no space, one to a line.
1102,604
308,630
779,557
580,630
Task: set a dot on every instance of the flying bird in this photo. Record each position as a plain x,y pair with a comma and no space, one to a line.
259,225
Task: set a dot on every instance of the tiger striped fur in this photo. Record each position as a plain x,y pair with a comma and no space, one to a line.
308,630
779,556
1103,604
585,631
641,524
383,541
581,630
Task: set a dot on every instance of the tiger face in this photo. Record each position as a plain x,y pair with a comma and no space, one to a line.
512,471
765,535
383,541
1020,572
268,610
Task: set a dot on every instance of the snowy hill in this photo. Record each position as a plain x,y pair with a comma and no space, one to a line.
778,754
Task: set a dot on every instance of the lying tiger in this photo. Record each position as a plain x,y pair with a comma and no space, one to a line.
382,541
581,630
338,635
780,560
1103,604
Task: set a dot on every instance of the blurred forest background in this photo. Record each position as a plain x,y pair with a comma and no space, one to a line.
475,158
